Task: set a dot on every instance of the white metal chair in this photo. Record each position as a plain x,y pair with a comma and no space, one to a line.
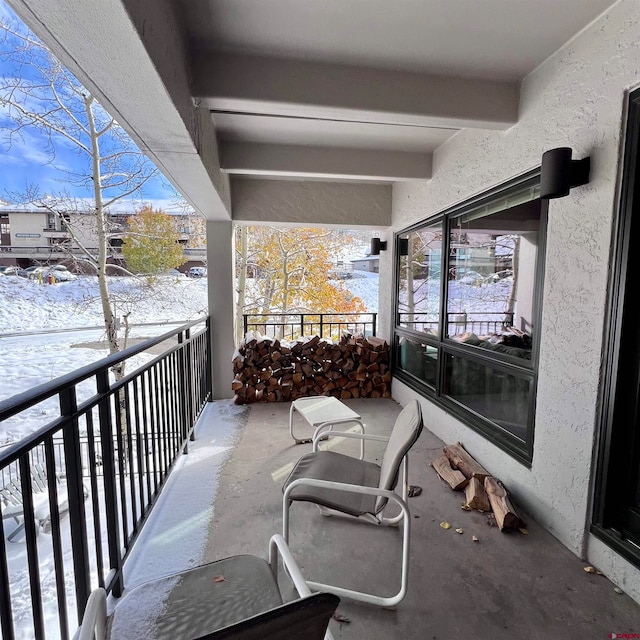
359,489
236,598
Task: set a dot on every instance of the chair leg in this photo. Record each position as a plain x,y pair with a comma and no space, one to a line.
386,602
389,602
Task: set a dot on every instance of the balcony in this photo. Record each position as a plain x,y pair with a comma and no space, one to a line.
56,233
159,479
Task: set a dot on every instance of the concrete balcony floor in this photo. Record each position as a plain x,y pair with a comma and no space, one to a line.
506,585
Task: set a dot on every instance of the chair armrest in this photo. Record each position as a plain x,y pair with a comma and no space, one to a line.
94,620
325,435
278,547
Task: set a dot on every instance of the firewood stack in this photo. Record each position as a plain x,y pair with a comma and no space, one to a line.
482,491
269,370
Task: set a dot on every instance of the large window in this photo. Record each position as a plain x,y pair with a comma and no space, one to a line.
467,305
616,516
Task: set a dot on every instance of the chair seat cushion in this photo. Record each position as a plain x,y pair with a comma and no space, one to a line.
329,465
196,602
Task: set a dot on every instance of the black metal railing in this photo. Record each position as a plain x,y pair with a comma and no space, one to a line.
480,323
291,326
79,489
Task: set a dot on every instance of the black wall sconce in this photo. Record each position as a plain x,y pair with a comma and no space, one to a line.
377,246
559,173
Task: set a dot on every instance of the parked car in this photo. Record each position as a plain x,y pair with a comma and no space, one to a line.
197,272
31,272
11,270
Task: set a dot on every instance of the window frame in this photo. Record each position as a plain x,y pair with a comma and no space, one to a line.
615,444
521,450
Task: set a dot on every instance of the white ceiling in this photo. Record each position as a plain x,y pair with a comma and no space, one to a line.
492,39
356,77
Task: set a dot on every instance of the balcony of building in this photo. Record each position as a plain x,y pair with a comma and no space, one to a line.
136,479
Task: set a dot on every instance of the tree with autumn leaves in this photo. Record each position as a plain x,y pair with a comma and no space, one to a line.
152,244
290,272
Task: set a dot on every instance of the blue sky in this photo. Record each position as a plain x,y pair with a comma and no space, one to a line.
28,162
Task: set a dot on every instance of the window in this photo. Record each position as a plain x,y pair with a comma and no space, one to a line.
616,514
467,304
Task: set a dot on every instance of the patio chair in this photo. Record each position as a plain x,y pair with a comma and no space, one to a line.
359,489
237,598
13,502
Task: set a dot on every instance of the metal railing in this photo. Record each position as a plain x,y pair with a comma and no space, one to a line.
291,326
106,459
480,323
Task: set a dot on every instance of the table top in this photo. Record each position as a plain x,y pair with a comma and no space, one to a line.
321,409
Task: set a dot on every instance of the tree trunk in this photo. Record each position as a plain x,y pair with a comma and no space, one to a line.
514,283
242,285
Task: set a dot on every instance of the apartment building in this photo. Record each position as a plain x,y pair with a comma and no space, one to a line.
33,236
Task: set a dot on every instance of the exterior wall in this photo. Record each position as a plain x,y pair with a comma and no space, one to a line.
31,223
574,99
366,264
311,203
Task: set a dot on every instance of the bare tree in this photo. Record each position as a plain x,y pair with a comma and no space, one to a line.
41,95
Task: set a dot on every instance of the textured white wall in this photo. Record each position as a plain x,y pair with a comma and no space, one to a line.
574,99
221,298
304,203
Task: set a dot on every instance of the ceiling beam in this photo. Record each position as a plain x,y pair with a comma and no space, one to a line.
243,158
142,81
283,87
311,203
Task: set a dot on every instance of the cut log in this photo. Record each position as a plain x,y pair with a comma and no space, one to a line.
460,459
507,518
476,495
266,370
454,478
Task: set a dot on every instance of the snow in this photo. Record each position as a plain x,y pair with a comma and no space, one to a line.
175,534
27,305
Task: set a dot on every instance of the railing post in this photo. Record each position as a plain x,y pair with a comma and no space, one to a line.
374,318
75,490
321,324
301,325
109,475
6,619
209,388
245,319
184,397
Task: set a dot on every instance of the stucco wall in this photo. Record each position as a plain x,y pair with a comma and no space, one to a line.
329,203
574,99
